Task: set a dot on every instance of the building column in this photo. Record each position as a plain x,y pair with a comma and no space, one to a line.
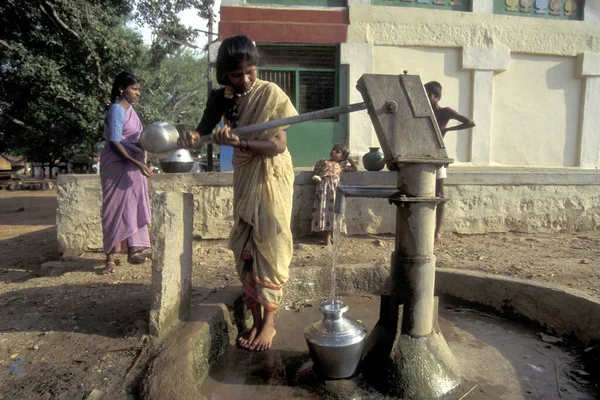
591,11
590,121
484,62
359,58
482,6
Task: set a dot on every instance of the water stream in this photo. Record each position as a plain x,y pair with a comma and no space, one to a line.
338,219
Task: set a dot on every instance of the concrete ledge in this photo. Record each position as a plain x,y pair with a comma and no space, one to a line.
425,27
563,310
590,64
486,58
187,354
481,200
309,283
185,357
175,182
172,242
521,176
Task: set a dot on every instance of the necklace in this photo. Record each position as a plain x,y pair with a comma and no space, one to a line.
246,92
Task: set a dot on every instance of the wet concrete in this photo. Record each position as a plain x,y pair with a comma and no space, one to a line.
500,358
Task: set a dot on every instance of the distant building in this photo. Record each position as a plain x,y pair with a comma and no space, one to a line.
10,165
5,164
528,73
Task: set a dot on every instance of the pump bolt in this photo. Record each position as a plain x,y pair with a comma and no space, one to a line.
391,107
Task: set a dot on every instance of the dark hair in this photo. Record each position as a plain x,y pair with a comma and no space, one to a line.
122,80
434,88
342,147
233,51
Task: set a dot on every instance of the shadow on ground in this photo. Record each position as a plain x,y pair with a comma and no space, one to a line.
29,250
104,309
28,210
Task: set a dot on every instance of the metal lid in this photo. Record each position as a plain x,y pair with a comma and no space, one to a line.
180,155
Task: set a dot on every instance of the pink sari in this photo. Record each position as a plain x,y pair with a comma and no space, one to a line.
125,202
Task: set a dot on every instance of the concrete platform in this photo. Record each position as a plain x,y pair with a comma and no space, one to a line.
501,359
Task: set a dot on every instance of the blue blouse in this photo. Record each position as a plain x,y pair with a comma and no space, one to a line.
115,118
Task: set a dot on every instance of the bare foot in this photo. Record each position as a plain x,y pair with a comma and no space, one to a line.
110,268
264,340
438,239
247,337
137,259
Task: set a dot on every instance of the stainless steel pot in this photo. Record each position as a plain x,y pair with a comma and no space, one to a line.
159,138
335,343
180,161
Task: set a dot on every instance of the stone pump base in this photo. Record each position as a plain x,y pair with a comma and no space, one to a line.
406,367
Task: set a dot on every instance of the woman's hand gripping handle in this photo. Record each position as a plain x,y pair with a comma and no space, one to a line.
223,137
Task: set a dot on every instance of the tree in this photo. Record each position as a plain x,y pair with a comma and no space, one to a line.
175,91
57,62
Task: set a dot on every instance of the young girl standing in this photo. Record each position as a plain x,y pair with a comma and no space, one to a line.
263,181
327,176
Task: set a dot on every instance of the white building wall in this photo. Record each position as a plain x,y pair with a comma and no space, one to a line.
520,79
434,64
537,109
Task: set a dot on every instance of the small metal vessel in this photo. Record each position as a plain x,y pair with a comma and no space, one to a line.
160,139
335,343
180,161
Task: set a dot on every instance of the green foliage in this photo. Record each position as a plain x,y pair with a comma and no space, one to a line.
58,59
175,91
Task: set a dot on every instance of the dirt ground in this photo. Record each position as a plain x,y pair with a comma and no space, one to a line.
69,332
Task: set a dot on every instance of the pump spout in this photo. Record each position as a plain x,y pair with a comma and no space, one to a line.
361,191
340,201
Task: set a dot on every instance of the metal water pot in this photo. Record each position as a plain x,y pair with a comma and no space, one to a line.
160,139
180,161
335,343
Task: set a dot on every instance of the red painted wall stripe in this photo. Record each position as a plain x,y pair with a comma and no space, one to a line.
317,16
265,25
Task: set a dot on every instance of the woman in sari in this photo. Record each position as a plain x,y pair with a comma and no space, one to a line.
123,172
263,180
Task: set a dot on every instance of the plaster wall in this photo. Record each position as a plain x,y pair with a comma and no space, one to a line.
536,115
405,26
481,201
434,64
532,103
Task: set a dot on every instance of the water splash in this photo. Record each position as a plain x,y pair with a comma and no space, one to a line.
338,219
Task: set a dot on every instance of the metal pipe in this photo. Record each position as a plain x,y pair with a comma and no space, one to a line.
361,191
320,114
413,273
340,201
209,76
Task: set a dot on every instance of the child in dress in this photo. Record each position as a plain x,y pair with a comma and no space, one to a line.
327,176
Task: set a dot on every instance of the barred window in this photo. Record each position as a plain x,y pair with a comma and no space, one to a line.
307,76
300,58
286,80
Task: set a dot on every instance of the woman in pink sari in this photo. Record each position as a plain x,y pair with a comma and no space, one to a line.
123,172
